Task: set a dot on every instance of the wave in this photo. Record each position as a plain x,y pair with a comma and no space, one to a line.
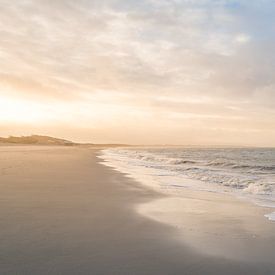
179,161
154,158
236,166
249,174
234,170
218,163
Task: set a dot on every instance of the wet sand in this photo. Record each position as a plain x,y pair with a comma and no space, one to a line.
217,225
62,212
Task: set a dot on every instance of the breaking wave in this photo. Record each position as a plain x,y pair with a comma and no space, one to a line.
246,172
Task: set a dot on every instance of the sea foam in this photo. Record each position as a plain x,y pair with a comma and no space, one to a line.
248,173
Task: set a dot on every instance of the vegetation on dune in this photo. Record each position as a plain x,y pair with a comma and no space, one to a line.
36,139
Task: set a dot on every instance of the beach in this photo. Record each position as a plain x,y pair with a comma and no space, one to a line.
63,212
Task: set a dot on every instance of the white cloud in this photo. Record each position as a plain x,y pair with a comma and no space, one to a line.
145,50
242,38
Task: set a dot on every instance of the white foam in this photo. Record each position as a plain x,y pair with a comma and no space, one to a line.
171,173
270,216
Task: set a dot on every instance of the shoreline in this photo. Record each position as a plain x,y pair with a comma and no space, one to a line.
236,221
63,212
216,225
146,176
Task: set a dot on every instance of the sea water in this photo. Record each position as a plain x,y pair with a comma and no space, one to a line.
245,172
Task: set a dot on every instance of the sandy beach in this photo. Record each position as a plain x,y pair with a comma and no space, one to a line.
63,212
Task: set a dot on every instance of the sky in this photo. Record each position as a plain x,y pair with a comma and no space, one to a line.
195,72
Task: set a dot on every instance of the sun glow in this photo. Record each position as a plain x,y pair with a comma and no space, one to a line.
90,112
25,111
123,73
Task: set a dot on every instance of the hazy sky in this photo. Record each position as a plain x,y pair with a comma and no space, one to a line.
136,71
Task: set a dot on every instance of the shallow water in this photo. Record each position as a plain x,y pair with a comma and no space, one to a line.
247,173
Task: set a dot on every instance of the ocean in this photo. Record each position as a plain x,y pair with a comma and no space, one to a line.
248,173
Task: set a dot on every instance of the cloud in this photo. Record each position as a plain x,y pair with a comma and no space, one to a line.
132,54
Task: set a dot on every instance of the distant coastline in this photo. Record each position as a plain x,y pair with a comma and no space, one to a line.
48,140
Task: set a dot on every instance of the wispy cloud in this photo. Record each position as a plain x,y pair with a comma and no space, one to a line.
133,54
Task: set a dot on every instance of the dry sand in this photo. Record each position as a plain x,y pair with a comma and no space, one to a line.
62,212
